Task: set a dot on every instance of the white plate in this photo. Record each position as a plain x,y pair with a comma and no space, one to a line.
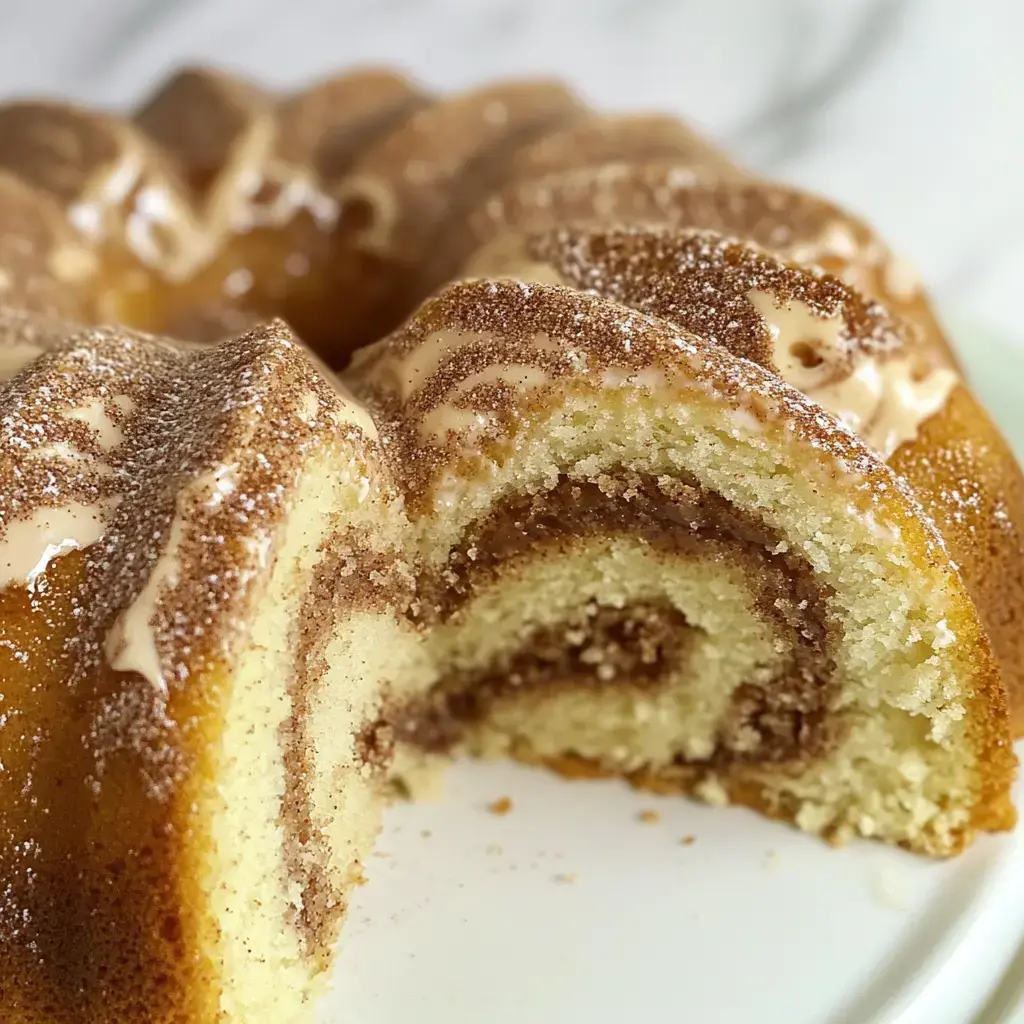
571,909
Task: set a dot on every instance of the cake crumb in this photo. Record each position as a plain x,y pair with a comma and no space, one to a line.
494,850
712,792
501,806
890,889
426,833
566,878
771,858
688,840
649,817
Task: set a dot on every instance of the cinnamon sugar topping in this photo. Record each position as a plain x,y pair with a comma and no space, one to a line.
822,337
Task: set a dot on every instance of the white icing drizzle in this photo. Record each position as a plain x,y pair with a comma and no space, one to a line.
222,482
130,645
797,325
356,415
836,240
652,378
521,376
161,232
309,406
16,357
67,452
437,423
93,212
506,256
72,263
376,193
293,193
877,399
29,545
353,412
906,404
93,414
901,279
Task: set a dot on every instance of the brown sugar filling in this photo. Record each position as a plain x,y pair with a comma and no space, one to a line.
601,646
785,719
350,575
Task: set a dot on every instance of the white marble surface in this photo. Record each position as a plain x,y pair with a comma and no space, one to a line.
909,111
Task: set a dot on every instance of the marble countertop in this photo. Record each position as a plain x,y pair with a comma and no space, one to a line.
908,111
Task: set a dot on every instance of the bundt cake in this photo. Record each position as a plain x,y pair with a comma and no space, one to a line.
662,472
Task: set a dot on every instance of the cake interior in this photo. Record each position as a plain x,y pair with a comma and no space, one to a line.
741,635
638,583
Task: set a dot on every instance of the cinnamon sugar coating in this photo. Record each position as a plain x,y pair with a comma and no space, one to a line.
63,150
702,281
203,118
44,265
797,225
220,203
402,201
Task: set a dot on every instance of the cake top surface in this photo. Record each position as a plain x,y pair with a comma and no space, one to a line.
482,357
170,468
847,352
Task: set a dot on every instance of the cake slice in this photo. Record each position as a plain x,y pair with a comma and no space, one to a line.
641,554
190,777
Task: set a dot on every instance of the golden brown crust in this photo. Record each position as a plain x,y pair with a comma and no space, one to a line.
968,481
687,780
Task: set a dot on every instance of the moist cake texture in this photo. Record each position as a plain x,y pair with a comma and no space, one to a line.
636,465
